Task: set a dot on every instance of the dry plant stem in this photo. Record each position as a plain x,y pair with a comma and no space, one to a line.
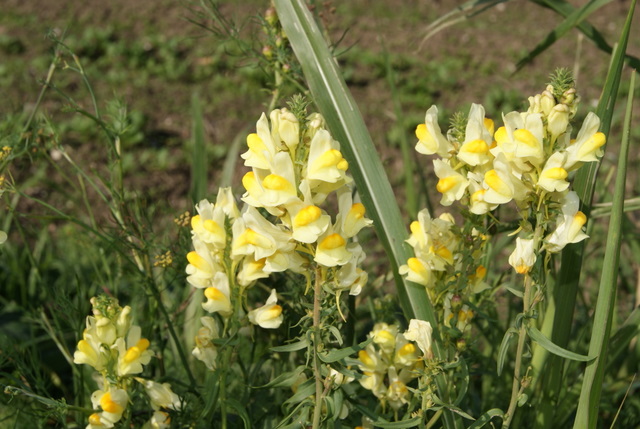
317,290
517,387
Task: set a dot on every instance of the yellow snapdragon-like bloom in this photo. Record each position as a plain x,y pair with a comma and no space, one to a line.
251,270
351,215
569,225
309,222
159,420
255,235
262,148
384,336
553,177
478,138
420,331
451,185
113,403
430,137
133,353
218,296
202,265
271,188
501,184
326,163
161,395
588,144
521,140
91,351
285,127
524,255
205,349
208,224
269,316
332,249
417,272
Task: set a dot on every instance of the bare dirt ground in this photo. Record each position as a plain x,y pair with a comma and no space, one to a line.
475,59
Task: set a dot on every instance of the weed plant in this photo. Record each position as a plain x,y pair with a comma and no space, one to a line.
273,304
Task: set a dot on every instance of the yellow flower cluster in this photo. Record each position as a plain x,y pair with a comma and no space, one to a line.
393,359
114,347
294,167
528,160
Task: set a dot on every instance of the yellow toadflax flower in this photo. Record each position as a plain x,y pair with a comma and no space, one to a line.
161,395
451,185
113,403
218,296
430,137
269,316
588,144
478,138
523,257
569,225
132,354
205,350
420,331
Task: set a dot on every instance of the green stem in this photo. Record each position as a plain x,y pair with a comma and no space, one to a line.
317,410
522,336
172,331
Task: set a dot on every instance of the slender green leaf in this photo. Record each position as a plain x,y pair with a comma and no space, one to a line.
504,347
336,355
487,417
588,405
619,343
604,209
240,410
286,379
565,9
410,423
575,18
546,343
305,390
298,345
461,13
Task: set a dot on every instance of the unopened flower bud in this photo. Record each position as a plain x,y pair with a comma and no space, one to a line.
456,302
558,120
547,102
461,344
267,52
569,96
270,16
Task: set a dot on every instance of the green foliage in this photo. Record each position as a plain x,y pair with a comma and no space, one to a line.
96,203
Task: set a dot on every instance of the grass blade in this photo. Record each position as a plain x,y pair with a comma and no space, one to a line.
566,289
335,102
570,22
566,9
588,405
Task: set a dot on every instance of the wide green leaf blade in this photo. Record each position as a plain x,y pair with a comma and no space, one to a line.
336,104
588,405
